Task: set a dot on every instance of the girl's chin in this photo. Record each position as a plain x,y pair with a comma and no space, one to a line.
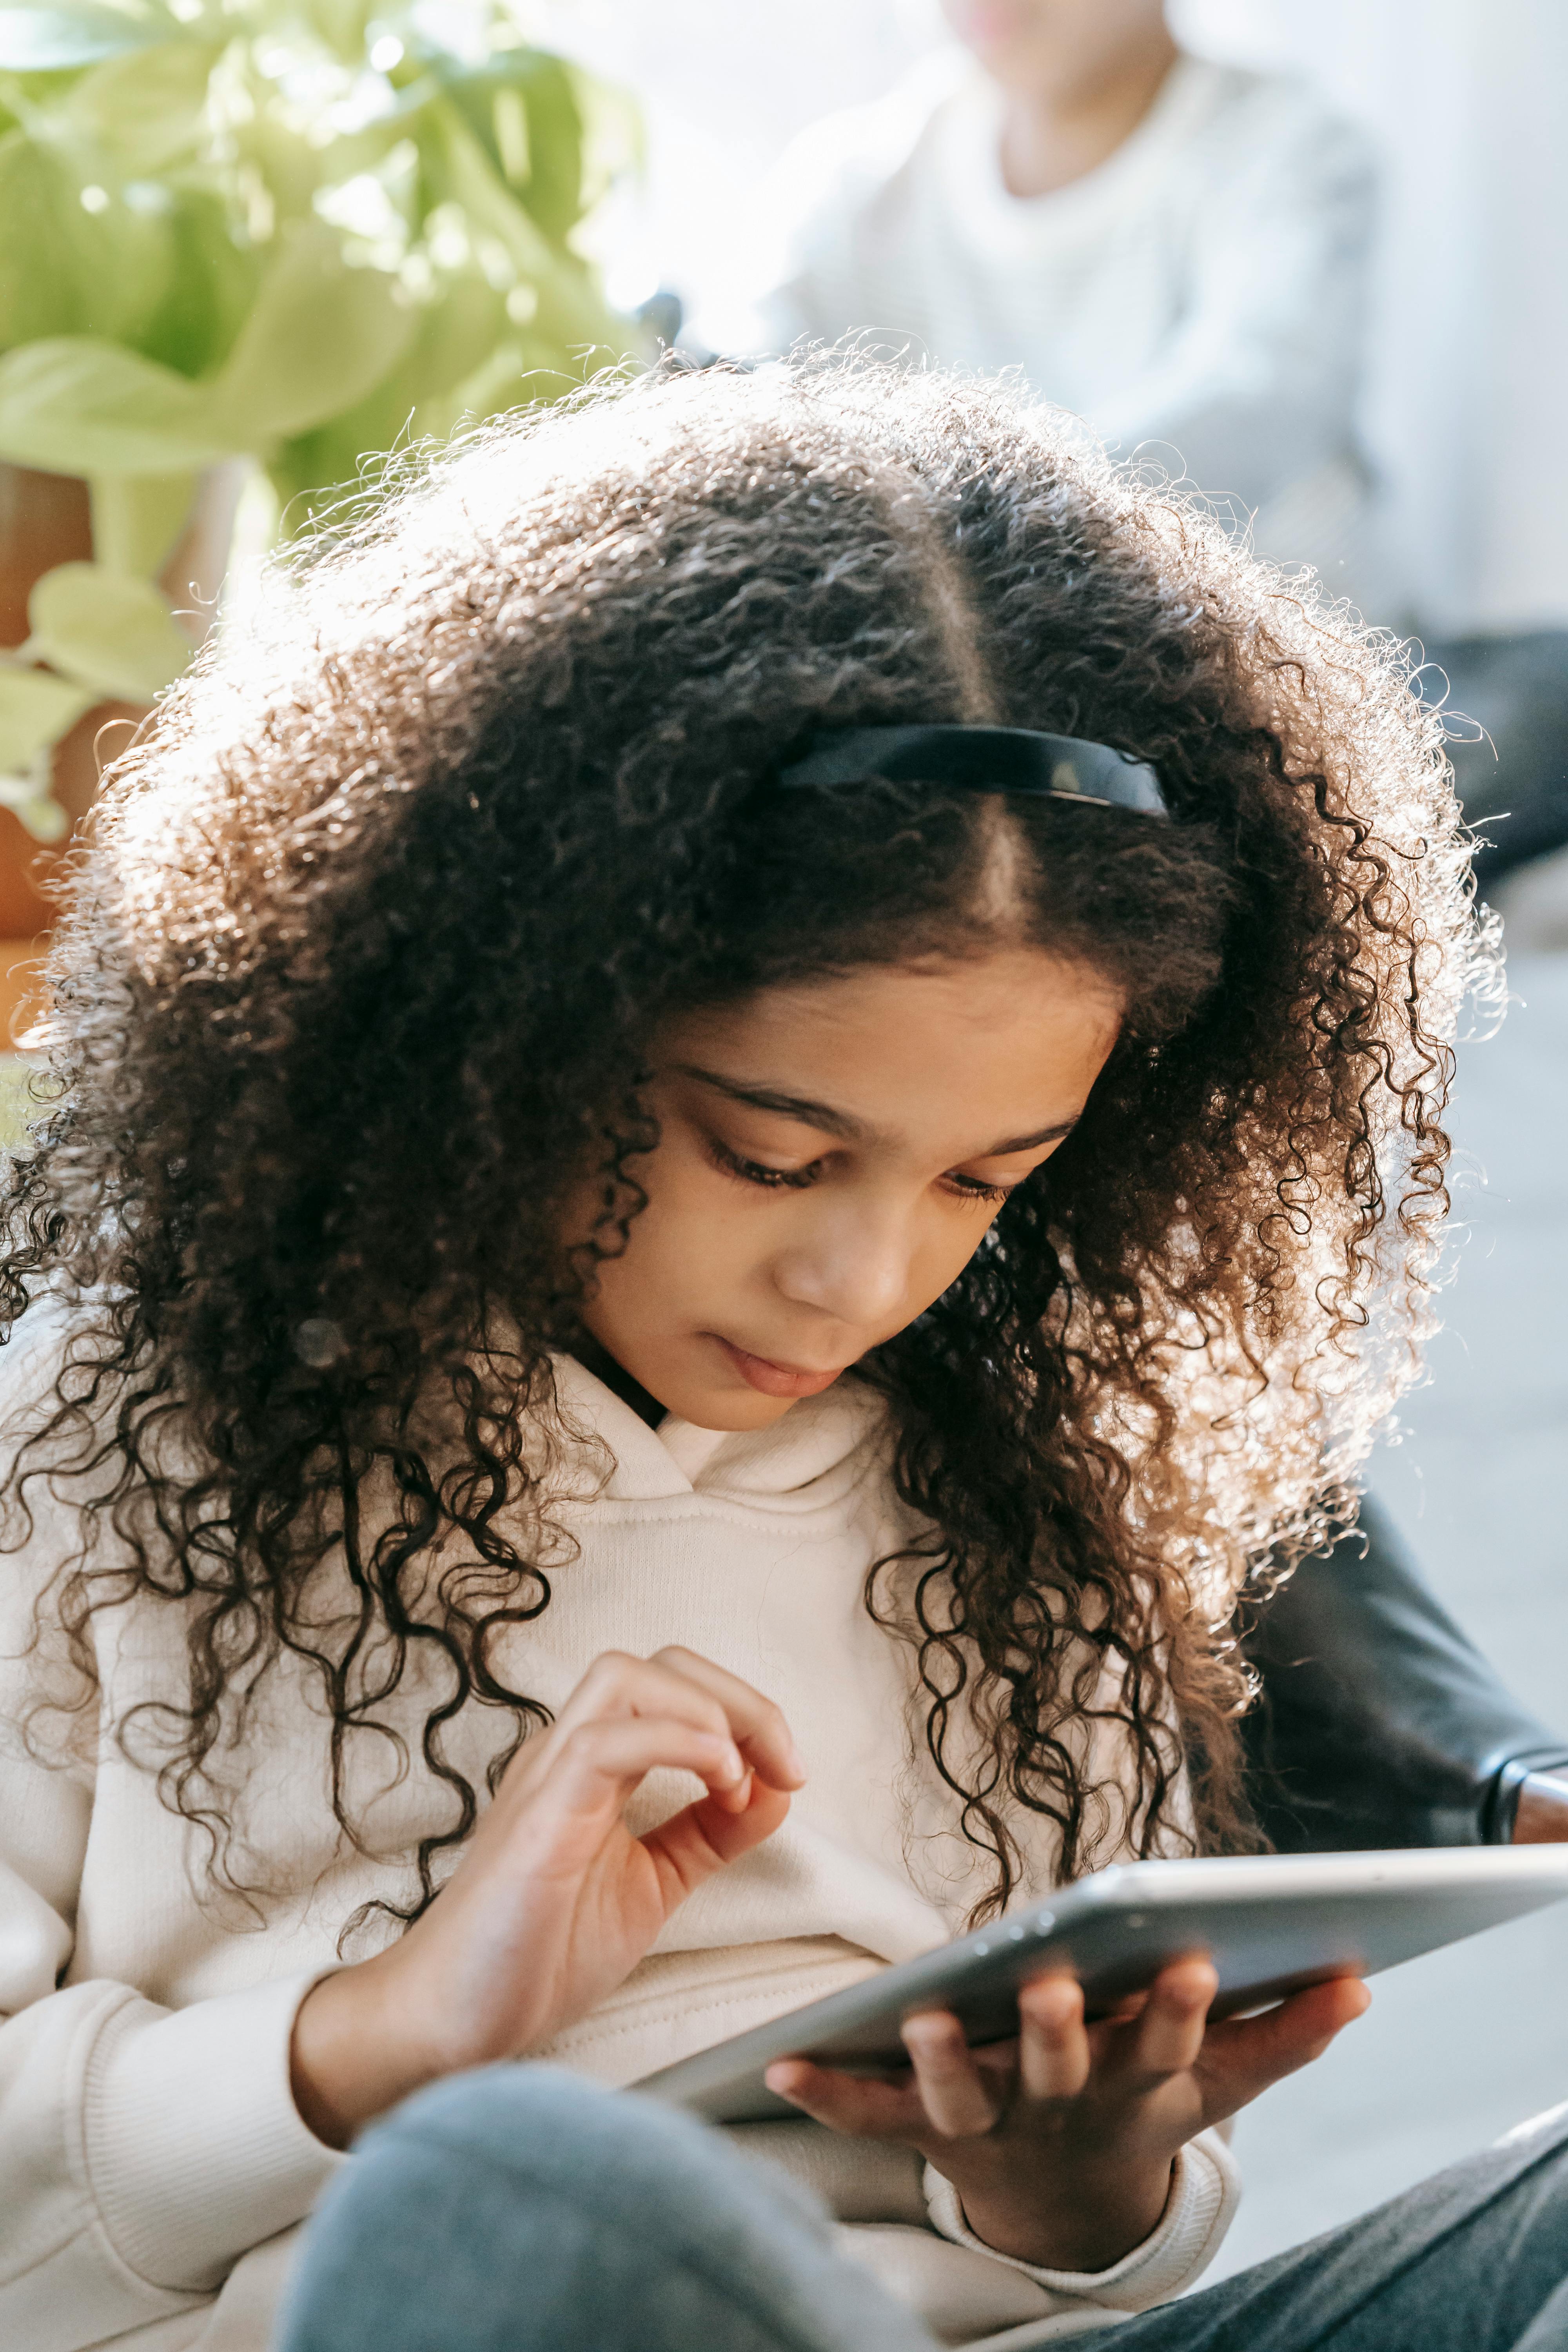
736,1415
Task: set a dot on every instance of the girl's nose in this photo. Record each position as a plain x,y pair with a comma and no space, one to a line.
856,1269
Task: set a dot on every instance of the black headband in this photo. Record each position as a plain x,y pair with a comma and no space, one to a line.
981,760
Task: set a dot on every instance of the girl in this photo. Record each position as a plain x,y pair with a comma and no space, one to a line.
734,1114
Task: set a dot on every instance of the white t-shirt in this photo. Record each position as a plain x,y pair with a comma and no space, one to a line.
1201,291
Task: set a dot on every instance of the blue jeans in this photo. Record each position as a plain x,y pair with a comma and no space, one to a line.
522,2208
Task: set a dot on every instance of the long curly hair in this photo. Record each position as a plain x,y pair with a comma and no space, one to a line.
361,962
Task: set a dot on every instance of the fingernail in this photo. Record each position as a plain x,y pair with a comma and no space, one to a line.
796,1762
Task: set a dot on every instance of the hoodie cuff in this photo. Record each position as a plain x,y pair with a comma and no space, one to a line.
1205,2189
194,2147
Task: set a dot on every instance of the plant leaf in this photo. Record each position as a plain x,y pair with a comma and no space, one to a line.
58,39
36,710
38,812
74,406
613,139
211,284
457,333
145,108
554,192
77,257
37,262
521,109
318,338
137,518
571,312
114,634
339,24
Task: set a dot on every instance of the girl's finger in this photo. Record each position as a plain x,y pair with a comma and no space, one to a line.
958,2101
704,1837
1243,2056
596,1768
858,2104
675,1685
757,1725
1169,2033
1053,2045
616,1685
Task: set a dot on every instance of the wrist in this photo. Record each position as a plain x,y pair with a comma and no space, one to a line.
1085,2225
347,2061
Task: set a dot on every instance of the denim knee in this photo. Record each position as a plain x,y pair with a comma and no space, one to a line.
542,2126
522,2206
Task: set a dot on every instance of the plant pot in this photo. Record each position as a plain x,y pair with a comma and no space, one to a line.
46,520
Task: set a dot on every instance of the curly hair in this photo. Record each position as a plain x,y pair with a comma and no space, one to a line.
361,966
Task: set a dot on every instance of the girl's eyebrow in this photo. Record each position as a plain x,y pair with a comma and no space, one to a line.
841,1122
813,1114
1030,1143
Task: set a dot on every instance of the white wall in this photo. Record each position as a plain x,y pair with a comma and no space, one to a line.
1466,99
724,85
1469,358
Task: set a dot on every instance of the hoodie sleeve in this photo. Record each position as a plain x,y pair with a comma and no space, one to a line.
142,2150
1205,2189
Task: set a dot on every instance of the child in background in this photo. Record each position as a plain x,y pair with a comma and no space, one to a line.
1175,250
736,1111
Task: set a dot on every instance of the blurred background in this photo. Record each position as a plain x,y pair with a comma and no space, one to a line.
1467,344
247,248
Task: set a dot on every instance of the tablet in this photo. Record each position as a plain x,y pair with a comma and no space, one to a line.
1271,1923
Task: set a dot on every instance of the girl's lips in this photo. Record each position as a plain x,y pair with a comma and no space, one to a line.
776,1380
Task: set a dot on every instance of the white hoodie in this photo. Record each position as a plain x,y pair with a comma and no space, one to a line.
153,2169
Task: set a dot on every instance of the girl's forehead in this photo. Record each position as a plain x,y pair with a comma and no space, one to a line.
1016,988
1011,1043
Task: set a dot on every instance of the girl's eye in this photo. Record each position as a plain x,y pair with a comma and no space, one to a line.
970,1188
751,1171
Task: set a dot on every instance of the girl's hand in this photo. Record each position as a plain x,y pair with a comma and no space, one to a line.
554,1902
1060,2144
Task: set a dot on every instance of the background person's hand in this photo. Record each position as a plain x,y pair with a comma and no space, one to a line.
554,1902
1060,2143
1541,1816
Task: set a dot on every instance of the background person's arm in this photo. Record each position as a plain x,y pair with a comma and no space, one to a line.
1256,385
1380,1724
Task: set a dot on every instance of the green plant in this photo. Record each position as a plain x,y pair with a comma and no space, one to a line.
288,230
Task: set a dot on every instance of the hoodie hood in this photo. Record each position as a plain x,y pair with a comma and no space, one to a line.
804,1461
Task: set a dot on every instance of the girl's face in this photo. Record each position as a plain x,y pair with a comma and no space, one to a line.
831,1156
